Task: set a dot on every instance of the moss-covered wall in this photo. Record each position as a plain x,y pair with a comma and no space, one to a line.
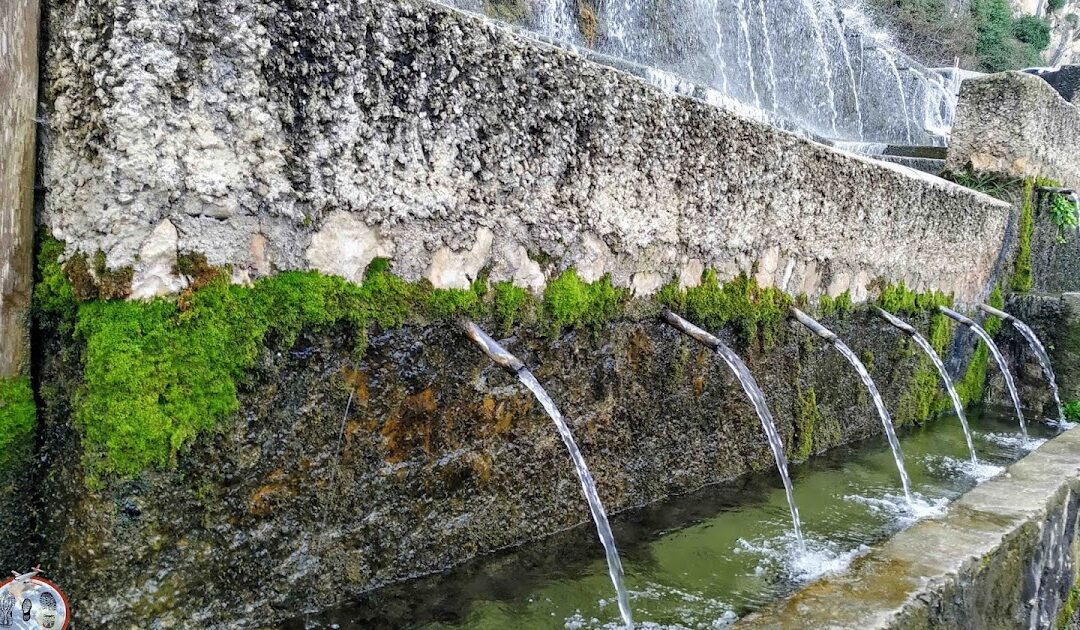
320,413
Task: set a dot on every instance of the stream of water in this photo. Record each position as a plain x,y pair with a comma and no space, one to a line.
1044,362
702,560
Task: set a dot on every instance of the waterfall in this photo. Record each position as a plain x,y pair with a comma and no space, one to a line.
512,364
1037,347
826,66
900,88
757,398
744,26
921,341
886,420
770,61
846,56
1004,367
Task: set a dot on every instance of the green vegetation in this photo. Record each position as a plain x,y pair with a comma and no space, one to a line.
991,184
839,305
569,301
900,300
1063,213
1072,410
18,416
808,418
985,37
1065,616
970,387
158,373
752,310
1055,5
1022,280
1004,43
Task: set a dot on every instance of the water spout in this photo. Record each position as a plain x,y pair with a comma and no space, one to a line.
985,336
921,341
756,396
1037,347
886,420
512,364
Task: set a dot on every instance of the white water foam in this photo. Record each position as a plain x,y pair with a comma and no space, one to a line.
905,513
980,471
699,613
816,559
1013,440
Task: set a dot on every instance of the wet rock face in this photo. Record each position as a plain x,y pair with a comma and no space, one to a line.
1056,321
1055,254
281,135
1015,124
440,457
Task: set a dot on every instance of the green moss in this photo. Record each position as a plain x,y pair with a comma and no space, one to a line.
18,416
510,303
839,305
54,295
1072,410
996,299
923,397
900,300
1065,616
1022,280
571,302
809,417
752,310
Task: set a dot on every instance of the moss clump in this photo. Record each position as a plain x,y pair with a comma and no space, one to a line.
900,300
450,303
839,305
569,301
1072,410
509,303
970,388
1022,280
752,310
18,416
155,376
54,295
808,418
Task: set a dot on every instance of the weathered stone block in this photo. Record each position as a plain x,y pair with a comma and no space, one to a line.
1015,124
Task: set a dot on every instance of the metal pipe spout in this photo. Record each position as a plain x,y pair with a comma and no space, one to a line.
813,325
957,316
492,349
899,323
690,330
990,310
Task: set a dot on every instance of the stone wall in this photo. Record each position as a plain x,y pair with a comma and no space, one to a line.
340,476
1015,124
272,135
18,105
1005,556
1055,253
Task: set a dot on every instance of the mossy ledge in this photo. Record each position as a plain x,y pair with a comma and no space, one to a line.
158,373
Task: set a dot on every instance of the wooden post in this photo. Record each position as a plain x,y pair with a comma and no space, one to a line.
19,23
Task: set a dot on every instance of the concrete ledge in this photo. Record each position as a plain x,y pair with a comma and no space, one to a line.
1015,124
281,138
1003,556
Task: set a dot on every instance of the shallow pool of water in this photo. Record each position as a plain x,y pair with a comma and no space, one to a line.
702,560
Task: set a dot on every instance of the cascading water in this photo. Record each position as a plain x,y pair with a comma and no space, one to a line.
921,341
757,398
512,364
998,357
886,420
1037,347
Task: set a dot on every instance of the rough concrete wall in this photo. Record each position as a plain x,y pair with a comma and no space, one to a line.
1004,556
18,102
1015,124
274,135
